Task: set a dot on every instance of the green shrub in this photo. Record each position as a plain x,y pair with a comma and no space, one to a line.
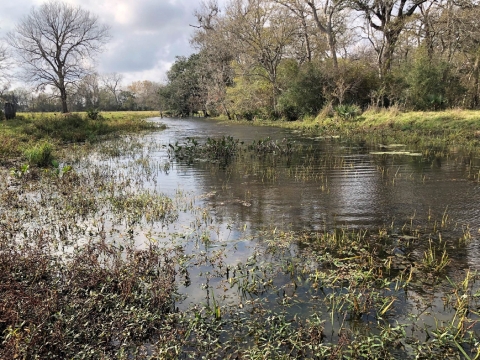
40,155
347,111
431,84
94,114
304,91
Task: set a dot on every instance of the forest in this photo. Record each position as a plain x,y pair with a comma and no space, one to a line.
291,59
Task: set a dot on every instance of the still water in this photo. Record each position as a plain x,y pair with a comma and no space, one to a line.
334,183
325,184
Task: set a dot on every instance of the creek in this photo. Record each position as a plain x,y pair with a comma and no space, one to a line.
266,232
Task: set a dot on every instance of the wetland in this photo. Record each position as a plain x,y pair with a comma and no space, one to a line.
221,240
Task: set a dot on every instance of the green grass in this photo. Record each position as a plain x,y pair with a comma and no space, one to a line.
448,129
40,154
28,130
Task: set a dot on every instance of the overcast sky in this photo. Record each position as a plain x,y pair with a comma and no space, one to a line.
146,34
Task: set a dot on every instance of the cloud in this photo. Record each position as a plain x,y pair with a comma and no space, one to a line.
146,34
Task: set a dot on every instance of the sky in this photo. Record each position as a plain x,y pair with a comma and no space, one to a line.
146,34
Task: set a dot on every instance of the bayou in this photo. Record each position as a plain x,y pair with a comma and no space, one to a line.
337,237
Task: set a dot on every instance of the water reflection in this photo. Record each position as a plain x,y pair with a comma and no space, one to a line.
330,183
333,183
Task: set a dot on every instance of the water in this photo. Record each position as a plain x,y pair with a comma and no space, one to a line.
327,185
340,184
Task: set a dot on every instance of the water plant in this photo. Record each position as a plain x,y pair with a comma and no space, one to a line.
221,150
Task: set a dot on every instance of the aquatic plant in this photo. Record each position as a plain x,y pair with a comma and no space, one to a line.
221,150
267,146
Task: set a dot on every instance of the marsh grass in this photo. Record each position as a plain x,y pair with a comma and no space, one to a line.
40,155
102,301
441,130
33,129
221,150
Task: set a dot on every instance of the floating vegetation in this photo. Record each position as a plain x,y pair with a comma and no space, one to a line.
268,146
221,150
407,153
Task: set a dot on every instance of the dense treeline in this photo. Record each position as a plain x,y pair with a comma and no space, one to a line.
293,58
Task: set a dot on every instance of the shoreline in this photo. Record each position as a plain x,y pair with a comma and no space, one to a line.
446,129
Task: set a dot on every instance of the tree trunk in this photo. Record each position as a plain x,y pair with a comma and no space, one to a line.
333,47
63,92
391,38
476,87
63,96
229,116
327,30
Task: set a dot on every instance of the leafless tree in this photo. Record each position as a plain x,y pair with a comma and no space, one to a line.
388,17
262,37
56,44
4,66
112,83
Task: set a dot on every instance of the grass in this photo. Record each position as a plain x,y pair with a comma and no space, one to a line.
40,154
440,129
28,131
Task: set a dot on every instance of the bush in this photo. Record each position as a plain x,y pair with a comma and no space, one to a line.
431,84
347,111
40,155
304,91
94,114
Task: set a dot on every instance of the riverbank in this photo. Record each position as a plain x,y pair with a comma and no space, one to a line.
442,129
33,133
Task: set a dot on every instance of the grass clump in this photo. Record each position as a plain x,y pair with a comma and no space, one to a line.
40,154
221,150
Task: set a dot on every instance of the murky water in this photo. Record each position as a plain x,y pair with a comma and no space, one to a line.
329,184
332,184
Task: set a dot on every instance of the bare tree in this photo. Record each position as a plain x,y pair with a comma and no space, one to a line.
112,83
300,11
56,43
262,37
216,55
389,18
4,66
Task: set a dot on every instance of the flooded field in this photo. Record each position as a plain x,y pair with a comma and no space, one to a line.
235,242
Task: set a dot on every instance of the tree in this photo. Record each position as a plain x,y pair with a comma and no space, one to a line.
146,94
389,18
56,43
216,55
262,37
183,94
111,82
4,66
87,93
